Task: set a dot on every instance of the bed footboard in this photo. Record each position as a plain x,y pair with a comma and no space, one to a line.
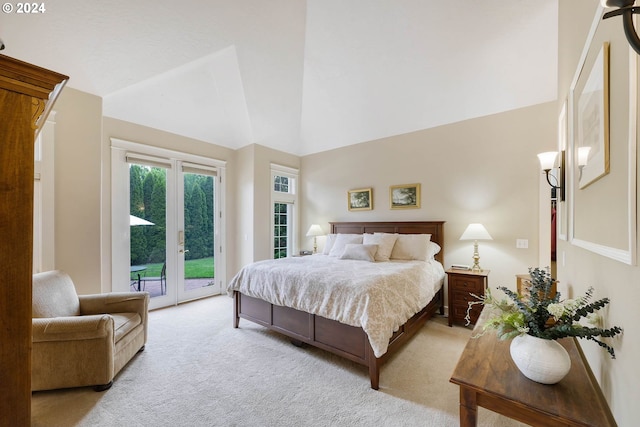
343,340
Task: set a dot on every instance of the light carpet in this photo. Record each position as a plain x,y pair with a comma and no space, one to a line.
197,370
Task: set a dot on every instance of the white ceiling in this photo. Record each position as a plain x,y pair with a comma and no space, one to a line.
298,76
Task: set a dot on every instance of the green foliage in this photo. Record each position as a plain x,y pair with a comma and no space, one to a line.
148,200
202,268
543,316
198,216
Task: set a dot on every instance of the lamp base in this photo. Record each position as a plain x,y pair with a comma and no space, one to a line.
476,258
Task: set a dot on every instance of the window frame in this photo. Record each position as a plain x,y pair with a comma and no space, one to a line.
289,198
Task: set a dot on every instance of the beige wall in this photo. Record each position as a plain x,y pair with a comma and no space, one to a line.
254,210
83,189
78,185
482,170
83,185
599,220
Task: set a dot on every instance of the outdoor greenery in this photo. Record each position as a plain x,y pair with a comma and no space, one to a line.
147,189
193,269
281,230
540,315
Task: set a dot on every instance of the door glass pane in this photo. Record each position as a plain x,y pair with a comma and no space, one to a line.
148,207
198,231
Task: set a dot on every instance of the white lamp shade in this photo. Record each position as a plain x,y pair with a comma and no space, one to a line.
476,232
548,159
583,156
315,230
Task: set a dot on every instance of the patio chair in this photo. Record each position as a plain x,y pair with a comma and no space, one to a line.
83,340
162,279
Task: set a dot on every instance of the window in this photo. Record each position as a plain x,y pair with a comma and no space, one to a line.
281,234
284,202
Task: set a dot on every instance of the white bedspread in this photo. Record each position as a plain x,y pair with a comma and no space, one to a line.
377,296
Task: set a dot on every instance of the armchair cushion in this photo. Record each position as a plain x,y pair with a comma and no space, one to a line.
54,295
124,323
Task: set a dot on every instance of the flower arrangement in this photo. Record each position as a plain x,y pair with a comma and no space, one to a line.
543,316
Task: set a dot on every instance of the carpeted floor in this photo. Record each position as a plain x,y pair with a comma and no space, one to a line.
197,370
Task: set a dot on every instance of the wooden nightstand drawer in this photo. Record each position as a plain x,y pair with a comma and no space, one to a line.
460,313
473,284
463,297
461,284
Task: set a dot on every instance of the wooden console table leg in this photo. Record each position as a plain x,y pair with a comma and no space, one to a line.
468,408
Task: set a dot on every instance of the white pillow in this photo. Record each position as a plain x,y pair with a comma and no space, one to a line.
433,249
359,252
411,247
343,240
331,238
385,242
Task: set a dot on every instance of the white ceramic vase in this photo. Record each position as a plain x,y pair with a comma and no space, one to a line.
540,360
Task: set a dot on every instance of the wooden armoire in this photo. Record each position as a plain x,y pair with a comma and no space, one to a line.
27,93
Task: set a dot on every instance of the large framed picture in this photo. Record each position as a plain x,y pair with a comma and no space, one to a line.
405,196
360,200
593,121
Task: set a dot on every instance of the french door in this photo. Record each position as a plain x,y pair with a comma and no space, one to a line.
174,247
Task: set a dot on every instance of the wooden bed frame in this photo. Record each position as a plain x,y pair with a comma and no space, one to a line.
347,341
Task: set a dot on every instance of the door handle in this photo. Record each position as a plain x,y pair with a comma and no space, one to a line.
182,250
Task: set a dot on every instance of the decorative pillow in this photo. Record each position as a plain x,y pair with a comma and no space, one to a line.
359,252
411,247
385,242
433,249
343,240
331,238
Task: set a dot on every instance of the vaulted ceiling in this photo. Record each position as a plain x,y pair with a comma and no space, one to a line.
298,76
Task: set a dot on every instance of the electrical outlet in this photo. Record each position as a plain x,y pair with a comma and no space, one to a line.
522,243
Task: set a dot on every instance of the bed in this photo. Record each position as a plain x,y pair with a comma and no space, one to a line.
354,339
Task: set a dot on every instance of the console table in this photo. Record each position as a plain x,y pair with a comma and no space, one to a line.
488,377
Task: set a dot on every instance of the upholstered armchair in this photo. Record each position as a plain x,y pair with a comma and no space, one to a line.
83,340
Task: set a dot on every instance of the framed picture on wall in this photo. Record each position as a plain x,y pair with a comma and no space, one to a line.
360,200
405,196
593,121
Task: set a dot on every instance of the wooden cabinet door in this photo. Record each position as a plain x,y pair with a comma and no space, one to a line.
25,97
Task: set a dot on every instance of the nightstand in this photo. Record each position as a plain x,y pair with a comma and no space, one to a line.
461,284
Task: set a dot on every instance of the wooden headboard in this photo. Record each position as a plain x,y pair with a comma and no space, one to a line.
435,228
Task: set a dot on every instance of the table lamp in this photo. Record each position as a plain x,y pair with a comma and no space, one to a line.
476,232
315,230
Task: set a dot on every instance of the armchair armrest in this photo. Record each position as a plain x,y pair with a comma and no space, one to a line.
115,302
72,328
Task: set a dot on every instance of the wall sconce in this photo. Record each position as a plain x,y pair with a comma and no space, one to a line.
476,232
547,161
315,230
583,159
627,10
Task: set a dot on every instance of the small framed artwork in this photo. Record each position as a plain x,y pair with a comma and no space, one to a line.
406,196
360,200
